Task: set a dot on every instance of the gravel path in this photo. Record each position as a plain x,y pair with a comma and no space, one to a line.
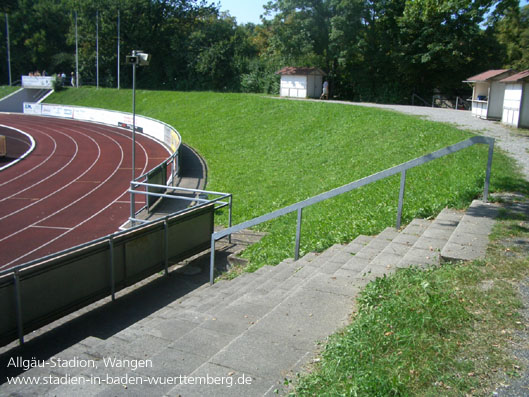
508,139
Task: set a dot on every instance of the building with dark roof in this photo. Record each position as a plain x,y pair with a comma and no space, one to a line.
301,82
487,93
516,100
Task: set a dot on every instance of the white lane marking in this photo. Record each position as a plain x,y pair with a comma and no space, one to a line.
72,158
93,215
33,145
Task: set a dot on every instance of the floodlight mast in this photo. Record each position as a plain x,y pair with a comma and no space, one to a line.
8,50
138,58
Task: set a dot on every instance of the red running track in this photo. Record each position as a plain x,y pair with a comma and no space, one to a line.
71,189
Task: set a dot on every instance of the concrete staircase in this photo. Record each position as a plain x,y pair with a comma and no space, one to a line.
262,327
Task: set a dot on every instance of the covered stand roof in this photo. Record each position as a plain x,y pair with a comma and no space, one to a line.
517,77
488,75
294,71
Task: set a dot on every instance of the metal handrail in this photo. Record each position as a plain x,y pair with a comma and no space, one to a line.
200,201
463,101
413,96
402,168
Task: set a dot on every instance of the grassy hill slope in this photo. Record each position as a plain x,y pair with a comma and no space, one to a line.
271,153
5,90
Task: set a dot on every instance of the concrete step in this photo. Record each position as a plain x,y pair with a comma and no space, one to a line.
290,311
264,325
470,238
318,274
283,276
358,243
283,332
426,250
387,260
376,245
342,274
266,291
246,283
288,314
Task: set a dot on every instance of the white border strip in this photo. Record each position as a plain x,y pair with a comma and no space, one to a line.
45,96
31,148
159,130
13,93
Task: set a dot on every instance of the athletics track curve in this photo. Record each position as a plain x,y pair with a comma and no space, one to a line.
71,189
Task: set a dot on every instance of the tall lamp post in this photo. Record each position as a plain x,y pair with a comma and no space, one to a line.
8,51
138,58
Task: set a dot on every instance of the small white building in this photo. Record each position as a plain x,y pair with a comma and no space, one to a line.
488,92
516,101
301,82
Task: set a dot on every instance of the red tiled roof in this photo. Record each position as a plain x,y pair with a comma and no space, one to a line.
516,77
292,71
489,74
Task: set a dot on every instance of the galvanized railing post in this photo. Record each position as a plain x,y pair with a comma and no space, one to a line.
298,233
487,176
230,216
112,274
166,246
18,301
401,198
212,260
132,204
174,171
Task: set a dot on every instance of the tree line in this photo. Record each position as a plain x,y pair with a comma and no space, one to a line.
372,50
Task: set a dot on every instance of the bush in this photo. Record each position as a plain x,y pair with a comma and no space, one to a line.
260,79
57,83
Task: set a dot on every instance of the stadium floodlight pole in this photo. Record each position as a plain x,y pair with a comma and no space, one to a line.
97,48
76,54
138,58
118,48
8,50
132,201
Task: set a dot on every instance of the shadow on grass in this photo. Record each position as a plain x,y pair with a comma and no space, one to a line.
511,184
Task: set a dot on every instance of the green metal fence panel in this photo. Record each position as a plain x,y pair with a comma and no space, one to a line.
8,325
158,176
51,289
189,235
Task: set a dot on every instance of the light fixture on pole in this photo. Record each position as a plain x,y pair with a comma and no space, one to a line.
138,58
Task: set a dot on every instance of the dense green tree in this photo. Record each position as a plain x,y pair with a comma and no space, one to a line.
298,33
443,42
8,6
512,31
156,27
347,44
37,32
385,50
211,52
380,78
374,50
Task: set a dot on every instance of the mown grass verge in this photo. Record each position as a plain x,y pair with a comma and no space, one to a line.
443,331
270,153
6,90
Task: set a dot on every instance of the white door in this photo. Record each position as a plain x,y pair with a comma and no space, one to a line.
524,111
